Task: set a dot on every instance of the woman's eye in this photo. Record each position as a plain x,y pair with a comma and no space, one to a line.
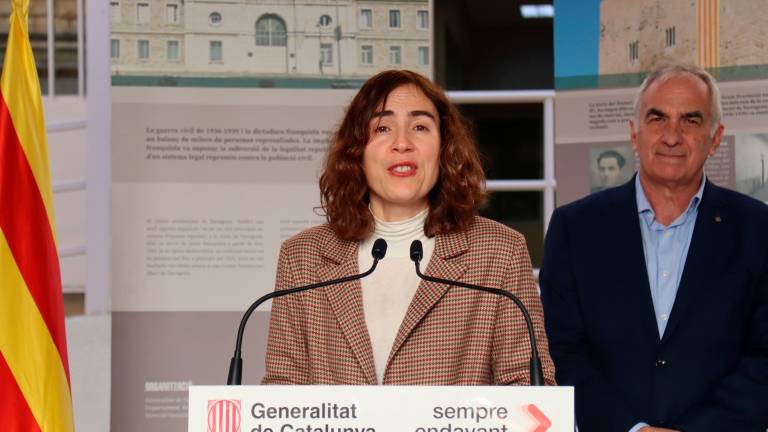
381,129
421,128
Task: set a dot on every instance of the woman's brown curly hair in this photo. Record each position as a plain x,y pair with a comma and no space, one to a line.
460,187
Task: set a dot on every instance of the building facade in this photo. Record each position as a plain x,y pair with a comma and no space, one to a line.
242,38
636,34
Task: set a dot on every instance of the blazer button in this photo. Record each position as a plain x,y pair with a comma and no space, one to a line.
661,363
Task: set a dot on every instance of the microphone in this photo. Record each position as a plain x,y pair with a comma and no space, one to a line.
234,377
537,377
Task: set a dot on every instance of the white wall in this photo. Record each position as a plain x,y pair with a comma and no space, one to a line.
68,155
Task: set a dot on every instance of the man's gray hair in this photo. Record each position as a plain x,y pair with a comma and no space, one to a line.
670,69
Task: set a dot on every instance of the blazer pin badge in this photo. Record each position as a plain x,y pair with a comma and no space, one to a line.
718,219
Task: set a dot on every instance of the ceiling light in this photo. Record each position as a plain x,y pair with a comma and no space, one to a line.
537,11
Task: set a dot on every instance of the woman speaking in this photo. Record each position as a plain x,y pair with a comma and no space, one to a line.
402,166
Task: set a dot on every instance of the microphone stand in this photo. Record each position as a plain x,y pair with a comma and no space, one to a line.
536,374
234,377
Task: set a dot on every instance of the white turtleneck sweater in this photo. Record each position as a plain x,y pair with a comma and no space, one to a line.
388,292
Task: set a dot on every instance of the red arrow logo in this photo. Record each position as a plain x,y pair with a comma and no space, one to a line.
542,422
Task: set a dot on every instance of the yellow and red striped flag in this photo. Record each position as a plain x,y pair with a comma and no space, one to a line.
34,372
708,33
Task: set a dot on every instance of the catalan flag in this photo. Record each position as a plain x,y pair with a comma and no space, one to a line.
34,373
708,33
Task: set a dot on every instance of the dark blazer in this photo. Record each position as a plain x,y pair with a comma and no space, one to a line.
710,370
449,336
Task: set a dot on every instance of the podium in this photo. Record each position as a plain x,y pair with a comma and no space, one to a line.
380,409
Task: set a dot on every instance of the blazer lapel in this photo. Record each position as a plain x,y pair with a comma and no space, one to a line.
443,264
709,240
346,300
631,256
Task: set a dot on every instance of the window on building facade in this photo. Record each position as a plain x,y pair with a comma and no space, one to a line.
366,54
395,55
326,54
215,51
423,56
143,49
394,18
60,64
114,48
670,33
422,20
634,51
142,13
214,18
172,13
270,31
325,21
172,50
366,18
114,12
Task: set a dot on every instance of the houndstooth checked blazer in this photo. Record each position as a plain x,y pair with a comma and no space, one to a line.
449,336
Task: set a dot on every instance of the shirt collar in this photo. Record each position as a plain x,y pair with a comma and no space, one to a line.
644,206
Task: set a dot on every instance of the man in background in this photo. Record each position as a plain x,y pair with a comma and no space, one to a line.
656,292
609,166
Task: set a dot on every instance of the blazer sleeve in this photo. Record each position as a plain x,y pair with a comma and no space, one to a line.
739,401
286,359
598,405
511,348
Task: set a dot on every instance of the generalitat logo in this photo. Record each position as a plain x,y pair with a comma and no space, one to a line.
224,415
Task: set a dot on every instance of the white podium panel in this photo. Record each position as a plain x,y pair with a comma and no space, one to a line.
380,409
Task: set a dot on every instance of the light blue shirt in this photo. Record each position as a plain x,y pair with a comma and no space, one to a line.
666,248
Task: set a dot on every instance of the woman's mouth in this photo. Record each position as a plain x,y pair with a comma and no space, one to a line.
405,169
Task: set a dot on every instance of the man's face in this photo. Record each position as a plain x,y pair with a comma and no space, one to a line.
609,170
673,138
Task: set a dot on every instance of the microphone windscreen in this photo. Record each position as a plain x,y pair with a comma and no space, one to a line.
417,252
379,249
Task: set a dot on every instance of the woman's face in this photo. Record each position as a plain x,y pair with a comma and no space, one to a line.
401,158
